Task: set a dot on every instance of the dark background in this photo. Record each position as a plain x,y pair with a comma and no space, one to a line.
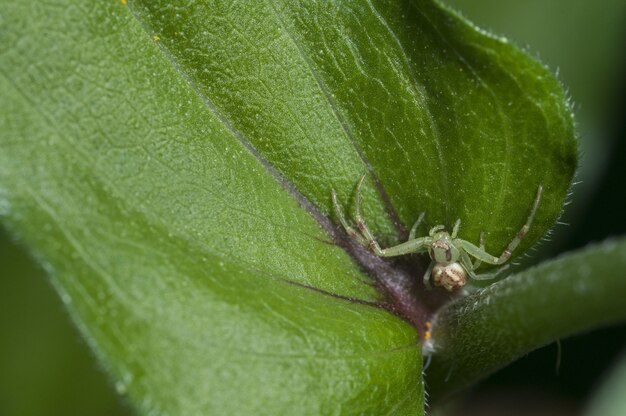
46,369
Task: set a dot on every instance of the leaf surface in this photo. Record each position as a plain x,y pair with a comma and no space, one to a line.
171,166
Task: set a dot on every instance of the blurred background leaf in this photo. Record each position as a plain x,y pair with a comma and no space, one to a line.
46,367
610,399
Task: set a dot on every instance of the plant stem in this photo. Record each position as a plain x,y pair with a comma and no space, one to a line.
481,333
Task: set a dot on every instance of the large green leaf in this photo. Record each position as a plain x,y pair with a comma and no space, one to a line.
171,166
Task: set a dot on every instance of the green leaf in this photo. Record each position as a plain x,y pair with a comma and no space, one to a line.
446,119
483,332
171,165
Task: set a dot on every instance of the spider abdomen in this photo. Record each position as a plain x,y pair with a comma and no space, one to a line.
449,276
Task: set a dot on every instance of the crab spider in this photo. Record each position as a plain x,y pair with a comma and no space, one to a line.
451,257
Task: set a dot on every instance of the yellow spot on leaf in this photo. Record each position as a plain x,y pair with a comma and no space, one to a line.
123,2
156,38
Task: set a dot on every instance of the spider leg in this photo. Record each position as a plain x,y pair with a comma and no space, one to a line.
477,253
417,245
482,255
417,223
342,219
466,262
506,254
427,275
371,242
482,247
488,276
455,229
435,229
365,237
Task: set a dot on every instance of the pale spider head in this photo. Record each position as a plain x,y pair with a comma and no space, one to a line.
442,249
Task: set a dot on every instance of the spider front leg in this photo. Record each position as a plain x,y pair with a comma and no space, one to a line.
365,237
455,228
342,219
417,224
372,244
481,255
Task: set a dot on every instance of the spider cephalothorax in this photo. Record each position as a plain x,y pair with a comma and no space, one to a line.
451,257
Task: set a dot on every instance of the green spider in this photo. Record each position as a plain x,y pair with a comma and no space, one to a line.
451,262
